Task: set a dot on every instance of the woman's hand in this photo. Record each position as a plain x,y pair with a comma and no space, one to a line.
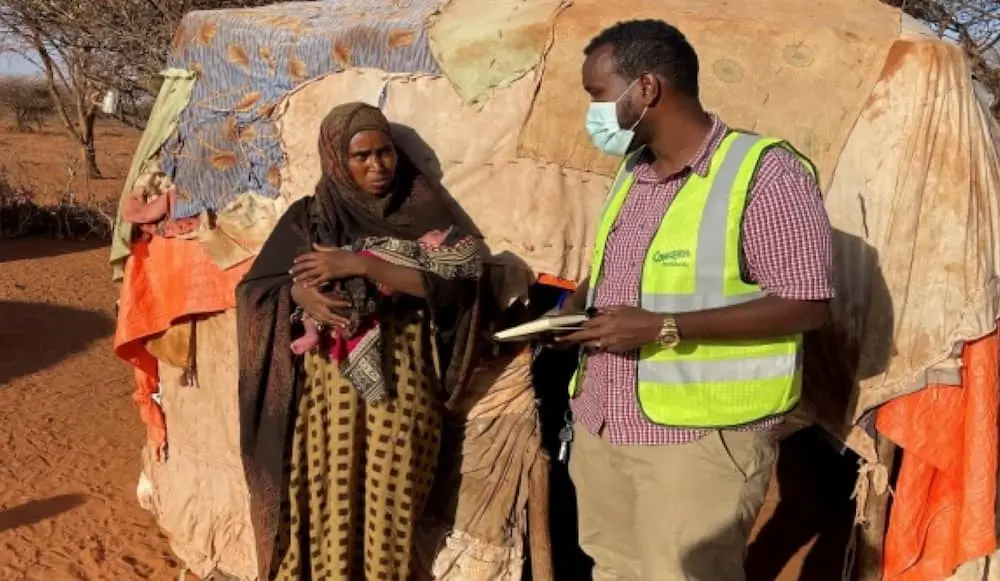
319,306
325,264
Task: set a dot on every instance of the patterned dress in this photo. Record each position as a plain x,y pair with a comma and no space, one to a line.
359,473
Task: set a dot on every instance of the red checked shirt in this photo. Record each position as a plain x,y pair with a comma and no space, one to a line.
788,252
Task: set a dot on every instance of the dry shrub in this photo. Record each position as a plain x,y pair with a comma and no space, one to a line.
27,101
21,215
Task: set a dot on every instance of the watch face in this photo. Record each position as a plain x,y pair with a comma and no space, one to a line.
669,339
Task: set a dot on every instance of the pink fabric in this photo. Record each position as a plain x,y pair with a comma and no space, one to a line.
137,211
340,347
788,252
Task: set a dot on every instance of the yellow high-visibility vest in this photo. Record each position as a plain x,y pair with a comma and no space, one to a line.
693,264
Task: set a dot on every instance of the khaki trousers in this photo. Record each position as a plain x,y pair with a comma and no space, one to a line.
670,513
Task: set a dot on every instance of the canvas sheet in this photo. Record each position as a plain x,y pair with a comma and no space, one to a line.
476,518
485,44
916,235
236,234
199,496
533,215
770,78
226,143
986,568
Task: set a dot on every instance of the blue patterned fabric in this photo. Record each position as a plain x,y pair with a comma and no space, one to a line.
247,60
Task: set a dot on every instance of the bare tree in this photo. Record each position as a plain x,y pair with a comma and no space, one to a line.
87,47
68,73
973,24
27,100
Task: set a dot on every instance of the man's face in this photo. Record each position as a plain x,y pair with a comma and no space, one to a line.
604,85
600,80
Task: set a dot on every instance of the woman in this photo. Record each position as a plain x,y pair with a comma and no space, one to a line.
338,464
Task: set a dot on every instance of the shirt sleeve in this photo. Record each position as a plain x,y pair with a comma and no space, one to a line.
787,238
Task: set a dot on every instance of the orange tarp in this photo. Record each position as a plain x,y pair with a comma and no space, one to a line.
943,512
166,280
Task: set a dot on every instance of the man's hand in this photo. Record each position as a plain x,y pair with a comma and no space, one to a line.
550,340
319,306
617,329
317,268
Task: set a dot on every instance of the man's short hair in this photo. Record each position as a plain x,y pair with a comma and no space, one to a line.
650,46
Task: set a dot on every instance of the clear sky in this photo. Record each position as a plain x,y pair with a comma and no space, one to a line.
12,64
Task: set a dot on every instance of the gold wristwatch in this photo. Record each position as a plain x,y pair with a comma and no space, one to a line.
669,336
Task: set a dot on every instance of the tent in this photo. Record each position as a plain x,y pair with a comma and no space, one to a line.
487,97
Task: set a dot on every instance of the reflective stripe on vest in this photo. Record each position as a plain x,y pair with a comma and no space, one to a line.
694,264
767,367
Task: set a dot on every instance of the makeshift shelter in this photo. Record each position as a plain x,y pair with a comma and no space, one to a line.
487,96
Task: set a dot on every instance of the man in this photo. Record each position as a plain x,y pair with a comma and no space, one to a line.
713,256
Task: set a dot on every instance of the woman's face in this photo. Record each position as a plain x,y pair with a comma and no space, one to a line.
371,157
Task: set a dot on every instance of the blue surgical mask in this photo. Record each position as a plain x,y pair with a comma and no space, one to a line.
605,132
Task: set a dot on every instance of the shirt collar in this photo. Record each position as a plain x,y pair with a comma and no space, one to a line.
700,162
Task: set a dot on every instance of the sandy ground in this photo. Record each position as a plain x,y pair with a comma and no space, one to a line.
48,164
70,436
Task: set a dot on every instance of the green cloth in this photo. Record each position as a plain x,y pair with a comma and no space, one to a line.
175,94
485,44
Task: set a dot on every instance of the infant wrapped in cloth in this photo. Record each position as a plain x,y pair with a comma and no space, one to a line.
357,347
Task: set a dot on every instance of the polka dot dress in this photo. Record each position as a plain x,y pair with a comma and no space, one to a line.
359,474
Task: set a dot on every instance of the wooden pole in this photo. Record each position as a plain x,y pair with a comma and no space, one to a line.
871,534
539,541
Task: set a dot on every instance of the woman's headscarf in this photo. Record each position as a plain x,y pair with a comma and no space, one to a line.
338,214
344,213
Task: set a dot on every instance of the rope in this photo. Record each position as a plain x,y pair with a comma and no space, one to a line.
872,477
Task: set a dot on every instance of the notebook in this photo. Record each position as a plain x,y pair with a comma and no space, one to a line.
553,324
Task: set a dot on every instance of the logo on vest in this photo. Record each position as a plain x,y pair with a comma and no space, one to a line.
679,257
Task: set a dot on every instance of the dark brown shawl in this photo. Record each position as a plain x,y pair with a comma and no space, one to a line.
337,215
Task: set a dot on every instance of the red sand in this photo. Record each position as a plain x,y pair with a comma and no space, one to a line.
69,435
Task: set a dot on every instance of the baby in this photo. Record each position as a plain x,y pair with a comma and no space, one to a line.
310,339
